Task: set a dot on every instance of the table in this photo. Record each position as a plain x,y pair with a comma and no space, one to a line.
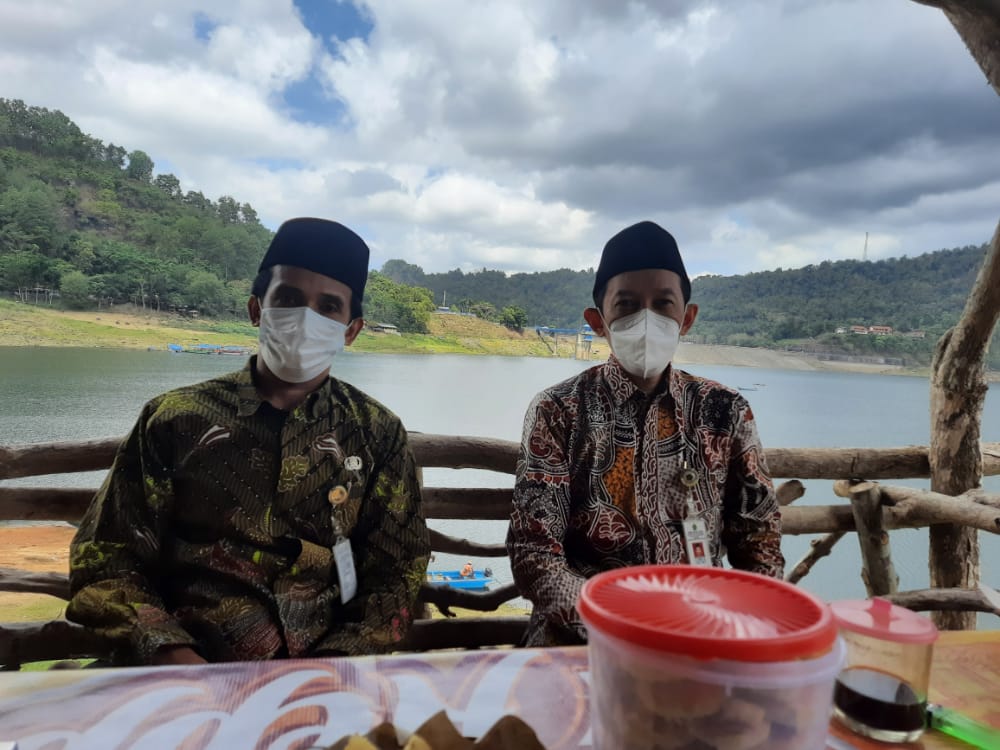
301,703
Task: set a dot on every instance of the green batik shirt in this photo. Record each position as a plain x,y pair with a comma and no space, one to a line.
214,527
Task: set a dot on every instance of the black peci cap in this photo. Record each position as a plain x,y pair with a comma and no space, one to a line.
642,245
322,246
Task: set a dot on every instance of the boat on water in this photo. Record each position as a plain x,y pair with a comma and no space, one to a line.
478,581
212,349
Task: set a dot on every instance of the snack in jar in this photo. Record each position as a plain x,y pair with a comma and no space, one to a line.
690,658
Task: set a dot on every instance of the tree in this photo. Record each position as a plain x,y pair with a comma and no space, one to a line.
168,184
958,384
248,214
206,293
514,318
74,287
140,166
228,210
196,199
29,219
115,155
404,273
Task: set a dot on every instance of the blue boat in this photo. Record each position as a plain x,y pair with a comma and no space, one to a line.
478,581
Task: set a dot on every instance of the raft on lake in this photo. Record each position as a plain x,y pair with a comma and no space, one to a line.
478,581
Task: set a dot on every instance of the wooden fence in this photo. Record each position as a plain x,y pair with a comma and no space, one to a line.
872,510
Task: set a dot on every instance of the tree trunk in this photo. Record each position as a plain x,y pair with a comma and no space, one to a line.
958,384
958,389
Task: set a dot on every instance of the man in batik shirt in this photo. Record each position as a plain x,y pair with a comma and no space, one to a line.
626,462
273,512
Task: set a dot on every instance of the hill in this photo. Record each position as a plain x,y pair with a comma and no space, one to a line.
85,225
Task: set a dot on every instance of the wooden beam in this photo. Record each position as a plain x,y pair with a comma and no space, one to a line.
464,452
467,503
465,632
818,549
44,503
24,642
23,581
35,459
790,491
489,601
465,547
877,570
21,643
943,600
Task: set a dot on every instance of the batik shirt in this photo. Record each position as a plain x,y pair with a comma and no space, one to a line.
215,525
598,487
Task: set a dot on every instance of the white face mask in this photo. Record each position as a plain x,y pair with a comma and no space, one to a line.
297,344
644,342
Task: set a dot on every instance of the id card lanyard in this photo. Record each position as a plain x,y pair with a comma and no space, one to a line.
693,528
343,556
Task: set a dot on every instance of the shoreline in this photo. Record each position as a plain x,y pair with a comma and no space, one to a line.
29,326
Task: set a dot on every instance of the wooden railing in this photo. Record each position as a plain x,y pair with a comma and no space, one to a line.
873,510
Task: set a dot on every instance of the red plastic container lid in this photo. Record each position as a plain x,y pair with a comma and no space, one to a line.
880,618
708,613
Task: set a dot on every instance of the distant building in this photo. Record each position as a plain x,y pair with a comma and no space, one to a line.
860,330
384,328
841,329
880,330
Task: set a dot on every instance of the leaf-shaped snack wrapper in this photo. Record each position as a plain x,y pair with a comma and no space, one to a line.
441,734
438,733
509,733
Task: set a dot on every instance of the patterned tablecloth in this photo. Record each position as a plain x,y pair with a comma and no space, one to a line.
298,704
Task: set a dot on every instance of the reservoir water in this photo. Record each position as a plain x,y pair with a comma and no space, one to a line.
76,394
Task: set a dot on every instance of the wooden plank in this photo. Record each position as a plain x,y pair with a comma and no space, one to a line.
24,642
465,632
464,452
36,459
44,503
467,503
470,452
486,601
25,582
877,570
465,547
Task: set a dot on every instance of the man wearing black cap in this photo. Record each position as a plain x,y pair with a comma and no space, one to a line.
273,512
635,462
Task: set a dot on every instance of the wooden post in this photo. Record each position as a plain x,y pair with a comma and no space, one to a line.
877,570
958,384
958,390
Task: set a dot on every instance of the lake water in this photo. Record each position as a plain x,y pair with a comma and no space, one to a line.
74,394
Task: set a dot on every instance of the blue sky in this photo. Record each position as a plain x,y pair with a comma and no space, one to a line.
521,135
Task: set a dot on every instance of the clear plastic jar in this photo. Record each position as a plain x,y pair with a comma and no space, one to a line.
882,692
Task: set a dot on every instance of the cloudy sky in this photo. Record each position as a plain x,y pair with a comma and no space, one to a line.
522,134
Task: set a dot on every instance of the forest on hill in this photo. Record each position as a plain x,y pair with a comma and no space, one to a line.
84,224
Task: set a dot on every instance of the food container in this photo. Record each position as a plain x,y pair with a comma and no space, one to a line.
690,657
882,693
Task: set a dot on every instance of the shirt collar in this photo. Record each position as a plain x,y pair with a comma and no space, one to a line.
316,405
622,388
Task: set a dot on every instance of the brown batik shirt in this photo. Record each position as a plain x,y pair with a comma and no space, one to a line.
214,527
598,487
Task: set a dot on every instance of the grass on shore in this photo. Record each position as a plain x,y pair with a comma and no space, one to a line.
125,327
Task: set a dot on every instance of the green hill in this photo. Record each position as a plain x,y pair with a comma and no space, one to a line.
84,224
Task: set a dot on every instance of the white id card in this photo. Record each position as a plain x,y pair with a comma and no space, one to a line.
696,541
344,558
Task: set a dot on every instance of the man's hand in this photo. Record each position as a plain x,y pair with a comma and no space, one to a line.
177,655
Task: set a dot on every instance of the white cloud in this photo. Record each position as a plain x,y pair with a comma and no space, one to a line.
522,135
